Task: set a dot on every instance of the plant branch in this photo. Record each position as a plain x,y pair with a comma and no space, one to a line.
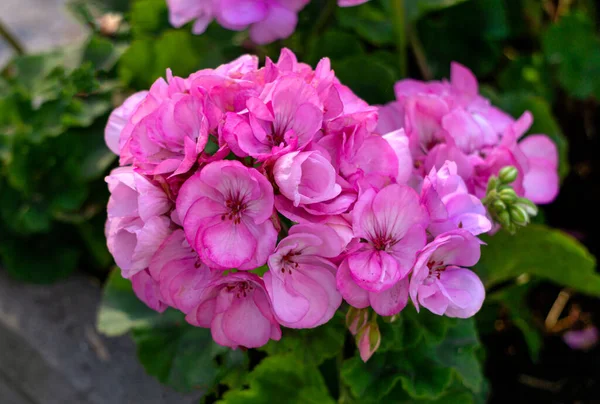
420,56
399,20
11,39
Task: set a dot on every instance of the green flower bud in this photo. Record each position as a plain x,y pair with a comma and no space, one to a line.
499,206
504,219
508,174
528,206
492,185
508,196
518,215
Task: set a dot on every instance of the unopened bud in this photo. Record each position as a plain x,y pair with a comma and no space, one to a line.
499,206
508,174
508,196
504,219
356,319
492,185
368,340
518,215
528,206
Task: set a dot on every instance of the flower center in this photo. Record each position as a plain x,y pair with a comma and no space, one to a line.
435,270
287,262
240,289
383,242
236,208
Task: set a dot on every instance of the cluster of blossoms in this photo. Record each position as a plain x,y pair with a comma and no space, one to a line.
252,198
267,20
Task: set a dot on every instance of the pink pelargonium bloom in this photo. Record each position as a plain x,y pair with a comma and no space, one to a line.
169,139
286,122
385,303
226,210
450,205
301,280
180,273
119,118
440,284
350,3
541,181
137,223
306,177
392,224
237,310
148,291
183,11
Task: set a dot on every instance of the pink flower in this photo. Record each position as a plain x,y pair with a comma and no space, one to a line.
385,303
392,223
541,181
136,223
226,210
584,339
306,177
169,139
280,122
183,11
147,290
301,280
440,284
237,310
450,205
118,120
180,273
350,3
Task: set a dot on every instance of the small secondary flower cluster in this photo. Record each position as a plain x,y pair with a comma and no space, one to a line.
252,198
268,20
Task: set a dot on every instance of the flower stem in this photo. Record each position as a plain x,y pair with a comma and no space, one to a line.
399,20
11,39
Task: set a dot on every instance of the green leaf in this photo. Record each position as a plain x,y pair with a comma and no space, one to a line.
311,346
184,357
102,53
528,74
372,81
370,21
336,45
573,46
281,379
38,259
542,252
416,9
149,17
121,311
445,38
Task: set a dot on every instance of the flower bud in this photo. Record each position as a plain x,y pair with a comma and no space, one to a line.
492,185
508,196
356,319
368,340
508,174
518,215
499,206
528,206
504,218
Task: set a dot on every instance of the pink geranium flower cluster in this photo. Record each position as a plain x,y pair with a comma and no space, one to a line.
267,20
252,198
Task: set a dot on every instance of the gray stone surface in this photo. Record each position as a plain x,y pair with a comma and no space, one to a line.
50,352
39,25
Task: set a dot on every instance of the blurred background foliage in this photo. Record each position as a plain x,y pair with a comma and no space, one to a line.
537,55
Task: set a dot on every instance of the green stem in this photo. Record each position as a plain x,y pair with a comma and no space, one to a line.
399,19
11,39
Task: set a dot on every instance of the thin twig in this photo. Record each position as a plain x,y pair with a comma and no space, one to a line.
11,39
399,18
419,51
